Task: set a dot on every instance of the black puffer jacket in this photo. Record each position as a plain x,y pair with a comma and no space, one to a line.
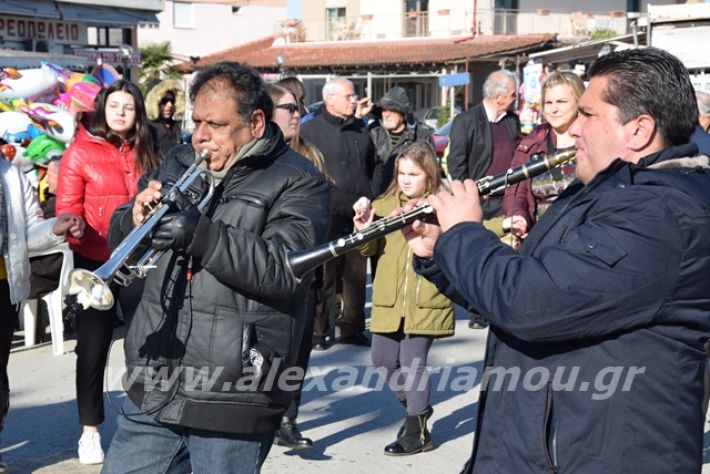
191,333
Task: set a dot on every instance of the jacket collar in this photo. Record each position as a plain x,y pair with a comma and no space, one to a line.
621,174
671,157
330,118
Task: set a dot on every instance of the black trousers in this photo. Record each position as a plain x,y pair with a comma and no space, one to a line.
350,269
94,330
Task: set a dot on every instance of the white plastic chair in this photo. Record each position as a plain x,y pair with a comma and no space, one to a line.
53,300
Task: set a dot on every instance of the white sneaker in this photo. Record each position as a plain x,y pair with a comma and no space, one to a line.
90,451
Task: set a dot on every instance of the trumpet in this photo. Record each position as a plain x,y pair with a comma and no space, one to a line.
300,262
91,289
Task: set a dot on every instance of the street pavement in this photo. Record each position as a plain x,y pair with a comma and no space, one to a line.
349,419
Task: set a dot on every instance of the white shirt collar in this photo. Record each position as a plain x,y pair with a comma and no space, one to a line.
492,118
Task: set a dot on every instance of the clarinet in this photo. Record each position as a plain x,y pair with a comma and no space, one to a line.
300,262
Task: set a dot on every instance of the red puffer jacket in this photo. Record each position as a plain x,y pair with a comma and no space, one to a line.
95,178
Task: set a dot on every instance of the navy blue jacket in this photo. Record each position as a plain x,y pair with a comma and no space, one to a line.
701,138
595,355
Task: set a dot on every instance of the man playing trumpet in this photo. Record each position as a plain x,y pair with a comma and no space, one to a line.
221,307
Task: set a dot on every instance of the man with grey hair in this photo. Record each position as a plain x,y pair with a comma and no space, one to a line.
483,141
701,136
349,157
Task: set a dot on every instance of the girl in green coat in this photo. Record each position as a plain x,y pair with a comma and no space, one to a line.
408,312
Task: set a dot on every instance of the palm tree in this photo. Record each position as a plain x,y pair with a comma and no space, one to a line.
156,64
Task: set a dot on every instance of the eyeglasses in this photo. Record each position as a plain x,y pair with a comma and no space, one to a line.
290,106
165,100
354,97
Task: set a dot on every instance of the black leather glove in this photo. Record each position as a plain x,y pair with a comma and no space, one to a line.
177,230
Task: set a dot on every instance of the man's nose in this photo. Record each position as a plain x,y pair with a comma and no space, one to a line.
199,134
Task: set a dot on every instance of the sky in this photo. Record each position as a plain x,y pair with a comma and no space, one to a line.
295,8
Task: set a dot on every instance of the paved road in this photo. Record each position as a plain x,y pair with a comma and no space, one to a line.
349,425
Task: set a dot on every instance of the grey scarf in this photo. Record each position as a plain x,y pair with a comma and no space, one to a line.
254,147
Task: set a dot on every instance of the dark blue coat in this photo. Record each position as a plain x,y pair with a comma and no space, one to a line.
701,138
600,319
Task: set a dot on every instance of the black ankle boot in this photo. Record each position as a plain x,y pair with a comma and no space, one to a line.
4,407
427,414
289,435
416,438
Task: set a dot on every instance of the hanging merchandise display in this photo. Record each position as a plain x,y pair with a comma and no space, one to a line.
530,115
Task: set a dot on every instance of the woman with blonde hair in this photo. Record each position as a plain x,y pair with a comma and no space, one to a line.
526,201
287,116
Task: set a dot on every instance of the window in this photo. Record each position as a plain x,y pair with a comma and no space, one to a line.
505,21
183,15
103,36
335,24
416,18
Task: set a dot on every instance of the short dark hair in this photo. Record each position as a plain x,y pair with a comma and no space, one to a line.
654,82
247,86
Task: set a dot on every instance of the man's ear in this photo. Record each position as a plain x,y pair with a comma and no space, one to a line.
643,132
258,123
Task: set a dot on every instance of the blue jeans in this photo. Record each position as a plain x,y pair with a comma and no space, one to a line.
142,445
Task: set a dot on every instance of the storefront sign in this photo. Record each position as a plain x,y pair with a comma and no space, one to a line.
108,56
14,28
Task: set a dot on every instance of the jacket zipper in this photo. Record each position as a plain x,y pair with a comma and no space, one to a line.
545,433
406,283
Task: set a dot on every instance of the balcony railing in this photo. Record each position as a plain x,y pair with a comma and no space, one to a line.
372,26
415,23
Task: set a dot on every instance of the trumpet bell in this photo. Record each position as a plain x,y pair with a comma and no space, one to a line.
90,289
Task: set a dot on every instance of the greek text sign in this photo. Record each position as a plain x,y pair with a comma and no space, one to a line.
61,32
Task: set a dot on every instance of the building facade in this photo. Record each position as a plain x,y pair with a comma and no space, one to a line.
197,28
65,30
332,20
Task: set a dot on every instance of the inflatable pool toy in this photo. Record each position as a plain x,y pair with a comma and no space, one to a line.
83,95
105,74
44,148
31,83
13,123
56,122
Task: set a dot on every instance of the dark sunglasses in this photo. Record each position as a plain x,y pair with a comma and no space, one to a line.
165,100
291,107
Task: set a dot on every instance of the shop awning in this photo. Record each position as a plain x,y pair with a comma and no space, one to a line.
587,51
41,9
91,14
28,59
96,15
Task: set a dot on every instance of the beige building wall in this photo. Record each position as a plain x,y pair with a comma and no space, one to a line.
215,27
378,19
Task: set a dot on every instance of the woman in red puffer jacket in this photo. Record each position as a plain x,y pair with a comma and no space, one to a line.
98,172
